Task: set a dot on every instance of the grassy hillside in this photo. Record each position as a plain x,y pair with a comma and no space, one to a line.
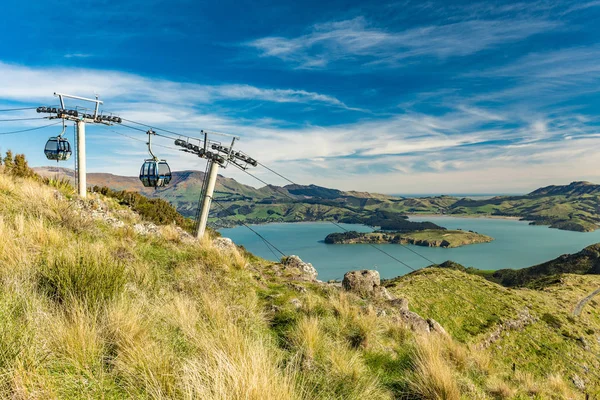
95,303
539,332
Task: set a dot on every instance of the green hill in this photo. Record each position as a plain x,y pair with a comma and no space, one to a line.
95,302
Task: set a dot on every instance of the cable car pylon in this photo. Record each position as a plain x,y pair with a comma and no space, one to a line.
217,156
59,149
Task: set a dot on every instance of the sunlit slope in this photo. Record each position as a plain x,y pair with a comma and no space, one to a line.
534,329
95,302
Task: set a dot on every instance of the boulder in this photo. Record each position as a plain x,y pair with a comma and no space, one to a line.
400,304
224,244
416,323
435,326
361,282
307,271
365,283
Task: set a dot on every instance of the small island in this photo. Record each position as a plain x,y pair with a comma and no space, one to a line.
429,237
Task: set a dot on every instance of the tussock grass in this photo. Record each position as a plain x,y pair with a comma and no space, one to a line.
433,377
92,311
88,276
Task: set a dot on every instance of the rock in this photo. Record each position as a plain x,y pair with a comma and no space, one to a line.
583,343
524,318
365,283
296,303
401,304
59,196
361,282
435,326
415,322
224,244
307,271
297,288
382,293
578,382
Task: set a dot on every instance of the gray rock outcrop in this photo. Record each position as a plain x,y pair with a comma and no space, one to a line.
365,283
307,271
224,244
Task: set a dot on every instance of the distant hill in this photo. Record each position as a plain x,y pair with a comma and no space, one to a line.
585,262
573,189
574,207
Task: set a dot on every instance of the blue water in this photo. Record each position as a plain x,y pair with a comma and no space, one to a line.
516,245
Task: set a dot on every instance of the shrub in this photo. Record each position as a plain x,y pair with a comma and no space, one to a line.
158,211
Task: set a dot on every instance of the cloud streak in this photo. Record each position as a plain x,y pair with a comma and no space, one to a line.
357,41
42,82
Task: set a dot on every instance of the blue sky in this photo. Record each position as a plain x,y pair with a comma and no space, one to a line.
397,97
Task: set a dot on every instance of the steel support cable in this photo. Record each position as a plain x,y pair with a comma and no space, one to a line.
18,109
30,129
21,119
339,226
334,223
157,134
153,127
414,270
141,140
255,232
175,133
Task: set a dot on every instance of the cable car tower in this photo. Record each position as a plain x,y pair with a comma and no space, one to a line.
217,155
58,148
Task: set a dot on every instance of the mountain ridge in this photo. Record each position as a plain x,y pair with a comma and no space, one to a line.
569,207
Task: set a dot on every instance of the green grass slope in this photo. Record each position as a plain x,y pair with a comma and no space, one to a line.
97,303
532,329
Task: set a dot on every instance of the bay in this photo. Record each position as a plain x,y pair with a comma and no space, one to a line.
516,245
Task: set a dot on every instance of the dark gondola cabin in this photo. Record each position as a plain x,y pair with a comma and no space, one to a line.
155,173
58,148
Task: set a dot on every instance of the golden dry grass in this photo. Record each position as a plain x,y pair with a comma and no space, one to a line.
92,311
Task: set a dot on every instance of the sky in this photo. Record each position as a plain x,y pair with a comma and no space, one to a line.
393,97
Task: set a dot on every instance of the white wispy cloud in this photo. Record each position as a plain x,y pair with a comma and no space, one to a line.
466,148
356,40
78,55
25,83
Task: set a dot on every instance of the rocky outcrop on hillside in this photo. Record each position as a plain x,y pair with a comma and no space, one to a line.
306,271
367,284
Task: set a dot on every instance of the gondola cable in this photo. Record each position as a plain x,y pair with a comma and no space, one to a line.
30,129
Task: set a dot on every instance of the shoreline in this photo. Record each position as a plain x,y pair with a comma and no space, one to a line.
492,217
471,216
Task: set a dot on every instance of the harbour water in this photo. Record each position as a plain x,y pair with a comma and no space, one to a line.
516,245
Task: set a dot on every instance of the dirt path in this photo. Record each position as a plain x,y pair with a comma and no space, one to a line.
584,301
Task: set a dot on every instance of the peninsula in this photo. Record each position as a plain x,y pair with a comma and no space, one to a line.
428,238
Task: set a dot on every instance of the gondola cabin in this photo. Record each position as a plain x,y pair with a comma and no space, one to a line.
155,173
58,148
